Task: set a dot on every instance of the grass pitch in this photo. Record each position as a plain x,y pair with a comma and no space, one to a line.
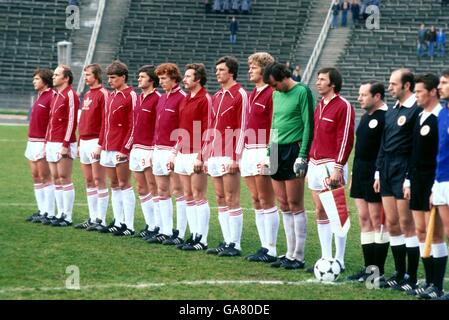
35,258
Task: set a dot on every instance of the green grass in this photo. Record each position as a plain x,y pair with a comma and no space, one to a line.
34,258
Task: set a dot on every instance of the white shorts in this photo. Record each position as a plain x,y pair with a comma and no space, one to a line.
184,163
140,159
316,174
53,151
109,159
440,193
159,162
35,150
87,148
251,158
218,166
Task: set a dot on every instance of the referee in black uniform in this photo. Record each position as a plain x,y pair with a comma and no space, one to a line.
421,175
392,165
369,203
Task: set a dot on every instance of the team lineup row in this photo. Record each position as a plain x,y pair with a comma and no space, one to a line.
273,137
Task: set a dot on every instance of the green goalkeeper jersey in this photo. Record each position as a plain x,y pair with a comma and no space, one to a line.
293,117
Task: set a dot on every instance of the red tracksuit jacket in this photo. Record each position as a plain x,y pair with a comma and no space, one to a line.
167,123
116,132
92,113
333,132
40,115
228,120
145,120
258,118
62,125
194,119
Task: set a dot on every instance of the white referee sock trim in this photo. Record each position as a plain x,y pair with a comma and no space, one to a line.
439,250
412,242
381,237
397,240
367,237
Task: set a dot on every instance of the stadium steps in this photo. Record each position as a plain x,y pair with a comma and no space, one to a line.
310,33
333,48
374,54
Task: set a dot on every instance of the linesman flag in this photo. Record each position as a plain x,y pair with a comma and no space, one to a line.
334,203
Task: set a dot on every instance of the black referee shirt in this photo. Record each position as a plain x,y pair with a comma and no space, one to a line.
397,138
369,134
425,141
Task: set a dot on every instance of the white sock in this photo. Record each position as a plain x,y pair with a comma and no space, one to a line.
271,226
92,202
181,217
289,228
40,197
117,206
422,246
59,200
49,190
203,217
147,204
192,217
102,205
68,200
325,235
412,242
300,219
236,226
157,214
439,250
223,218
340,247
166,210
129,205
258,214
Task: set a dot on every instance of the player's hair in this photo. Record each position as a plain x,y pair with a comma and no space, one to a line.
117,68
150,69
445,73
46,75
66,72
262,59
170,69
335,77
232,64
430,81
407,76
277,70
200,72
376,87
95,68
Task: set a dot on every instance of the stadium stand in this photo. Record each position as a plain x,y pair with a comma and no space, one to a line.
373,54
29,32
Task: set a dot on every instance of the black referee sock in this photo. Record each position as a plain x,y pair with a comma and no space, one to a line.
413,263
428,268
399,256
380,255
439,269
368,254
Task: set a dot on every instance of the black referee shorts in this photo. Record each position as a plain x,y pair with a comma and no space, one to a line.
392,176
285,158
421,182
363,180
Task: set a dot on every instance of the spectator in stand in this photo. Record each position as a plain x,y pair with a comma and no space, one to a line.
246,6
335,12
218,4
236,6
296,74
289,66
233,27
344,7
355,10
207,6
421,42
226,6
441,42
432,39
